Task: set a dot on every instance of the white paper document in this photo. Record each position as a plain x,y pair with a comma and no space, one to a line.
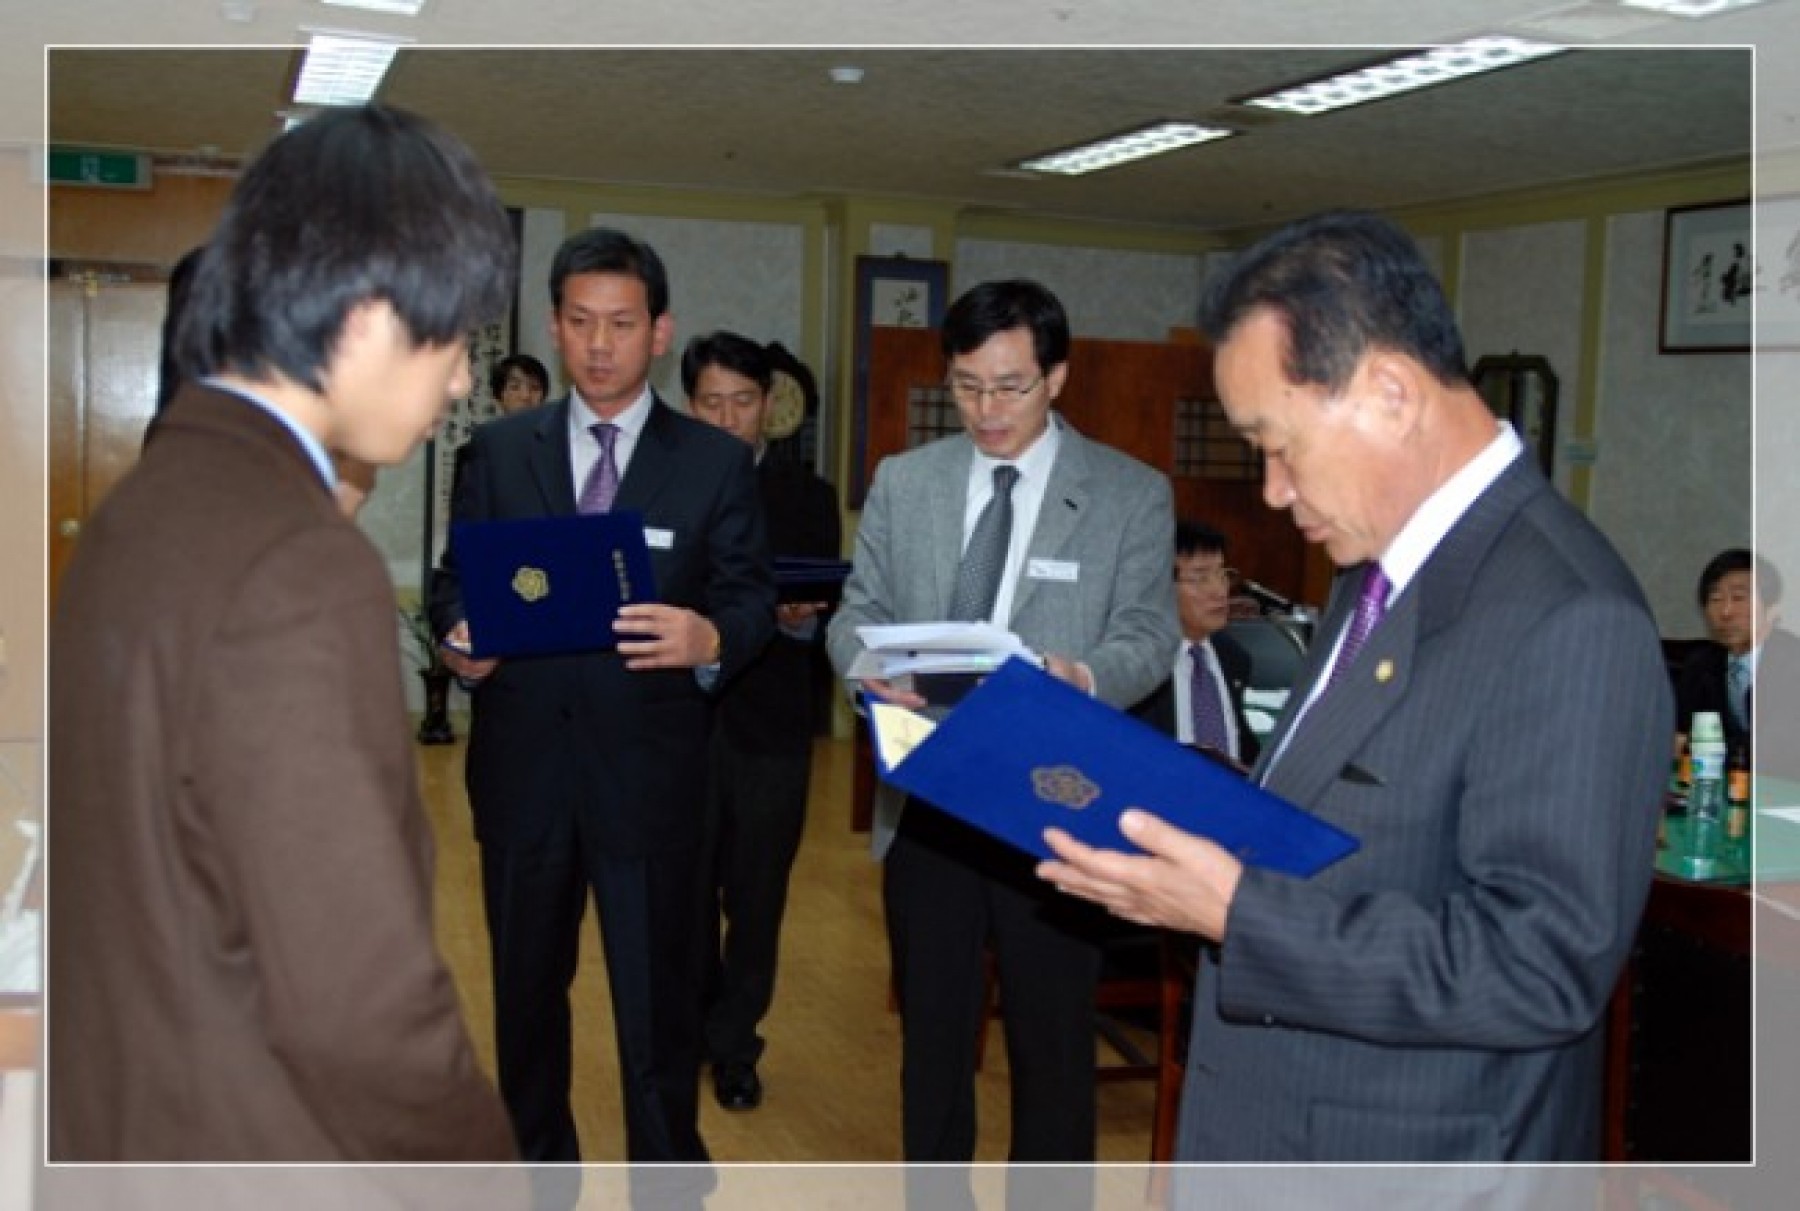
896,732
898,650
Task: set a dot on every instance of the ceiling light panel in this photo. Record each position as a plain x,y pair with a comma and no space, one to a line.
341,69
1689,8
1122,149
1405,74
404,8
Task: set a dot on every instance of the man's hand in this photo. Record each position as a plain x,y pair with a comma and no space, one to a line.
887,691
665,637
791,614
1181,882
1073,672
455,648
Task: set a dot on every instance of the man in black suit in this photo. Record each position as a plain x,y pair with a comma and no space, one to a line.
586,771
760,760
1202,702
1484,710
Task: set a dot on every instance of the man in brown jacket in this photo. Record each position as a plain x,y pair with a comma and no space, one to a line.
242,965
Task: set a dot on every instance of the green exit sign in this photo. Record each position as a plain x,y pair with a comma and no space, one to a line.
108,169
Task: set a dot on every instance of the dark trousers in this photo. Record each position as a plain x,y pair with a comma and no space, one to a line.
755,815
535,901
951,891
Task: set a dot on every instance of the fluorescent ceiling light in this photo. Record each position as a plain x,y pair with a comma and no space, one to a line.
1689,8
343,69
405,8
1121,149
1404,74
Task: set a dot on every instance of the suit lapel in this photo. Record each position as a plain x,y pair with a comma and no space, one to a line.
1375,682
947,506
1338,605
551,460
1356,704
653,462
1065,503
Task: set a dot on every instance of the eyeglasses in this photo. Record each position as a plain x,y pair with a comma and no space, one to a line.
1207,577
968,391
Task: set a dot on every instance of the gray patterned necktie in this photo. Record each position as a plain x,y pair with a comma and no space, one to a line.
984,559
602,483
1737,684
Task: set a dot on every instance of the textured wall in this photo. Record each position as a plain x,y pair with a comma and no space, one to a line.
897,239
748,277
1111,295
1672,482
1521,292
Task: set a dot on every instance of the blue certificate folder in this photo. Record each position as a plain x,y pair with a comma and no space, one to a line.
805,578
1025,751
539,586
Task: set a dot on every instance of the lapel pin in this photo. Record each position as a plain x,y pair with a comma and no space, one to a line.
1384,672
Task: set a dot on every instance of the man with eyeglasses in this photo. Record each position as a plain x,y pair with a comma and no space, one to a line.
1202,703
1075,540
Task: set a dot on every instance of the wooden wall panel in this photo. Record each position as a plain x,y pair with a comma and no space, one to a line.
149,227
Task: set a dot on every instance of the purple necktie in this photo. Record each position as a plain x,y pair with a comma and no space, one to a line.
603,477
1209,717
1370,606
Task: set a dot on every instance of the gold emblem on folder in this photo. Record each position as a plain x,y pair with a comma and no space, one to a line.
532,584
1064,785
1384,672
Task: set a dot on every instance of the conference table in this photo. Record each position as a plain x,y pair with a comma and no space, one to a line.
1681,1050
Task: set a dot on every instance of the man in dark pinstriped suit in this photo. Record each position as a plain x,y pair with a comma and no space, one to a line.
1498,744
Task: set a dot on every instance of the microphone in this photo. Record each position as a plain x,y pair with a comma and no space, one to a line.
1264,596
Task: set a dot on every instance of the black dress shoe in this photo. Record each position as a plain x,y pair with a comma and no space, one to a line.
737,1086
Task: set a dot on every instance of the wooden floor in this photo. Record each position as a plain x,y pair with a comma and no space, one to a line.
831,1071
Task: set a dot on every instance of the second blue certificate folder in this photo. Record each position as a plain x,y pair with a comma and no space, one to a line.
538,586
1024,751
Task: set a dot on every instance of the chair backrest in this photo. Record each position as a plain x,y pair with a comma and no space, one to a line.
1277,650
1676,653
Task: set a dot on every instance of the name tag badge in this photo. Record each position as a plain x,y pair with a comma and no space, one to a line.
1066,570
658,539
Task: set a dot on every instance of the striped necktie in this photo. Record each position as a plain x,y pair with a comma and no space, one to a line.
602,483
1370,607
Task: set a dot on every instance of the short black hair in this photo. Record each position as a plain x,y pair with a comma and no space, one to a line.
606,250
1344,283
1740,559
739,354
1197,538
985,311
181,281
525,364
358,204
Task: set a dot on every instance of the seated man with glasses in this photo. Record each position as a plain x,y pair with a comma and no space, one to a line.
1202,703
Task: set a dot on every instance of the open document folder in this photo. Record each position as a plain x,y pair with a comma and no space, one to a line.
1024,751
537,586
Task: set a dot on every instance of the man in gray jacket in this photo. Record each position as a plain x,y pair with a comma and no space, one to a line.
1074,540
